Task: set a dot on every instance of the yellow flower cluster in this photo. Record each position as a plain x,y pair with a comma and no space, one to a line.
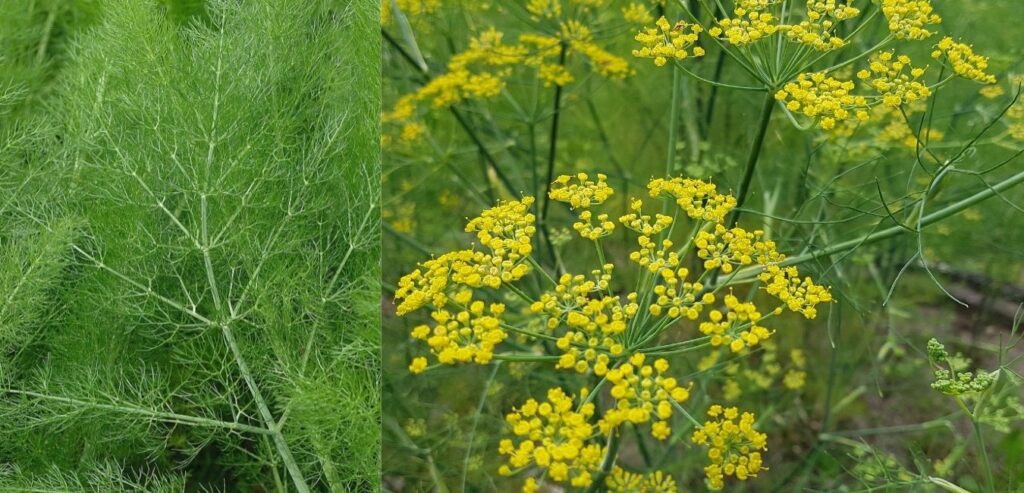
571,292
554,75
605,63
643,392
546,9
909,19
623,481
751,23
887,128
587,229
700,200
581,193
556,438
665,42
799,295
593,325
637,13
796,377
738,328
429,284
992,92
597,332
641,223
506,229
461,82
827,99
673,295
964,62
734,446
822,17
895,79
481,71
467,336
470,333
676,297
898,131
725,248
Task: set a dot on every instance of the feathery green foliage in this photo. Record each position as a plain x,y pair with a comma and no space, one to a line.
189,286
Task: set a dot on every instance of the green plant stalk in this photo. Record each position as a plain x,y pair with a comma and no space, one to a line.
44,41
552,153
690,121
989,480
934,217
476,421
946,485
673,123
167,417
268,419
752,159
611,454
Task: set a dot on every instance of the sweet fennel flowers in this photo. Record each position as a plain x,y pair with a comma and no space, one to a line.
482,309
784,47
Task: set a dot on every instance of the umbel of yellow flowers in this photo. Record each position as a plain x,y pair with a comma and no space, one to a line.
477,300
825,96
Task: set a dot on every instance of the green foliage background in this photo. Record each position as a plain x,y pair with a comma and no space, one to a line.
189,234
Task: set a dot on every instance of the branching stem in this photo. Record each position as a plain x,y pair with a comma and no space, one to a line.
268,418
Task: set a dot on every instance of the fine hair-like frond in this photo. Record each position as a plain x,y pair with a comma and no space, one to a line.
191,257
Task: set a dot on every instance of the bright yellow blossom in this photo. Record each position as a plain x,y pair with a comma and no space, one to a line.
700,200
554,436
623,481
817,30
734,446
799,295
466,336
643,393
418,364
751,22
895,79
737,328
592,324
909,19
964,62
668,42
824,98
580,191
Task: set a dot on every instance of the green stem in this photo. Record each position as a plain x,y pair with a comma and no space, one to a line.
552,152
610,456
166,417
673,122
524,357
894,231
268,419
989,480
755,154
44,41
553,142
